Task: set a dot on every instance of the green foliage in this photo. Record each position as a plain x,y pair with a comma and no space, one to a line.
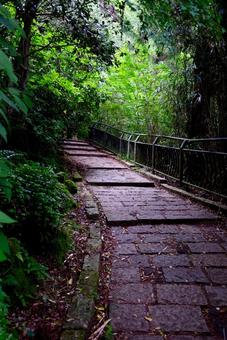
38,203
71,186
77,177
62,242
5,185
4,304
109,334
177,23
136,90
4,245
197,27
63,88
62,79
9,94
5,219
20,273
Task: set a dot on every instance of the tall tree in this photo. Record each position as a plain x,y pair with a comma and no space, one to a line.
74,18
197,27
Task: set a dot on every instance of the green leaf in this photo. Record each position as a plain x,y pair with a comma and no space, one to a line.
5,218
7,67
7,100
27,101
6,20
6,188
5,185
11,50
19,256
2,113
4,168
4,247
15,93
3,132
9,23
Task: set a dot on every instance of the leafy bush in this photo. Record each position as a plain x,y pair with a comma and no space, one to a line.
38,203
3,314
63,241
71,186
20,273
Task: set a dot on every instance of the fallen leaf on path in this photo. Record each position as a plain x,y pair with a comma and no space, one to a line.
70,282
148,318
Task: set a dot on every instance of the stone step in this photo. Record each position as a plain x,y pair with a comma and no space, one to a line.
124,177
134,205
74,141
73,147
156,219
82,148
92,153
98,162
122,184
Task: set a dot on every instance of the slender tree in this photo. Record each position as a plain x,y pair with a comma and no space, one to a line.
199,28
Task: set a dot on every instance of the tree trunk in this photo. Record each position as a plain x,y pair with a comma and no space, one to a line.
222,4
199,106
21,65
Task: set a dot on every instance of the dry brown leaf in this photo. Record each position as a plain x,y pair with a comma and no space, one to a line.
148,318
70,282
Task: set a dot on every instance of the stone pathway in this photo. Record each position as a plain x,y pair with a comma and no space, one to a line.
169,266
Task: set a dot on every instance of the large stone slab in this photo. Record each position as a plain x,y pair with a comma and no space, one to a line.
205,247
98,162
191,337
178,318
125,261
217,295
121,276
128,317
184,275
116,177
72,148
181,294
88,153
144,337
171,260
74,142
80,148
136,293
131,205
218,275
209,260
155,248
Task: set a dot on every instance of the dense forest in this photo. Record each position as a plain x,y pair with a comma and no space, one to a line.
148,66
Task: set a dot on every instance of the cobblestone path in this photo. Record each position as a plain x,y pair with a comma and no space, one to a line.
169,265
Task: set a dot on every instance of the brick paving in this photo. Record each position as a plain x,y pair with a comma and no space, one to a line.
169,264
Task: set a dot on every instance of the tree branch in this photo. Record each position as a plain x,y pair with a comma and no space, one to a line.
43,47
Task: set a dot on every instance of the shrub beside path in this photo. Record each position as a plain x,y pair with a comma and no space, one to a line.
169,264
